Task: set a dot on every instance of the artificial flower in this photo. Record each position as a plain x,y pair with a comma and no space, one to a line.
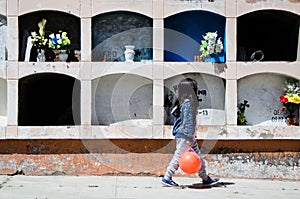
291,99
40,40
59,40
210,44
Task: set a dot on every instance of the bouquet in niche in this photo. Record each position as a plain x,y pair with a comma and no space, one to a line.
40,41
291,98
210,44
59,41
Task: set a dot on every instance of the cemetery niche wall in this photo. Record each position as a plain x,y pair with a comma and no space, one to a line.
125,104
119,98
262,91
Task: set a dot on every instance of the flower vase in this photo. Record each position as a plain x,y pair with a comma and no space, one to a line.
291,120
63,55
213,58
129,53
41,55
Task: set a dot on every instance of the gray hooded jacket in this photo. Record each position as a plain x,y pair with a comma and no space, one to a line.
185,122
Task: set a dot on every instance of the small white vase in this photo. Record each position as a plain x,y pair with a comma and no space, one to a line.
63,55
41,55
129,53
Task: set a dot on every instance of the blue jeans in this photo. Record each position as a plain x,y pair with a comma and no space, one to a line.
181,147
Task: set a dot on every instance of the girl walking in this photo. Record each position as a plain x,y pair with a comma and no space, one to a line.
185,109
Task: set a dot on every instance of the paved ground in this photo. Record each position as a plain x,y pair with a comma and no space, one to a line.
137,187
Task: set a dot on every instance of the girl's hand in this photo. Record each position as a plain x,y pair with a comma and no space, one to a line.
189,143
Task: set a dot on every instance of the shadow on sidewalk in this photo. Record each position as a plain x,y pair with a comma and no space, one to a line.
201,186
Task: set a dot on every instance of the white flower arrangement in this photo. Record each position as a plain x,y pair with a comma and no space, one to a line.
59,41
210,44
53,41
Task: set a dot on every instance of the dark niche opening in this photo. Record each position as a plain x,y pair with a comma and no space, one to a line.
49,99
55,21
113,30
271,32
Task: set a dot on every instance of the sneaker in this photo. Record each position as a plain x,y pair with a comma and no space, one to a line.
169,183
210,181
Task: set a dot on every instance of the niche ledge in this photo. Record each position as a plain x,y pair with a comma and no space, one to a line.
241,132
105,68
174,68
146,132
121,132
68,68
48,132
248,68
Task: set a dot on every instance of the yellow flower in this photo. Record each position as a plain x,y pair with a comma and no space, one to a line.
45,42
64,34
68,41
39,40
42,24
295,99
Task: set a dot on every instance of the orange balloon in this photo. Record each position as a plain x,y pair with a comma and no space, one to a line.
189,162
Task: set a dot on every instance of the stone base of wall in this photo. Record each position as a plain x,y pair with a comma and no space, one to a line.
236,159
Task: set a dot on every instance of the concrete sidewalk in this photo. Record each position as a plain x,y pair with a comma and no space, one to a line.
139,187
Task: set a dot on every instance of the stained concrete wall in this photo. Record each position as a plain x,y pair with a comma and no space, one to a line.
227,158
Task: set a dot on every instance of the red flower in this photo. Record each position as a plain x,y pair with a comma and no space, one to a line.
282,109
284,99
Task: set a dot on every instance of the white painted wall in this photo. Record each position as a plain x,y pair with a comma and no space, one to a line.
3,102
